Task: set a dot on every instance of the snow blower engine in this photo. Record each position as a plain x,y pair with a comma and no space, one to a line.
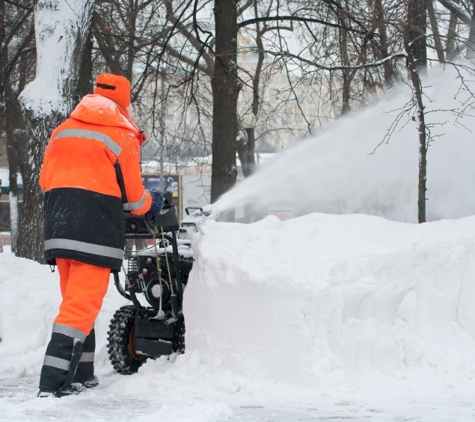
157,275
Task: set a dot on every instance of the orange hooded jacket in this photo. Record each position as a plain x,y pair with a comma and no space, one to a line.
90,175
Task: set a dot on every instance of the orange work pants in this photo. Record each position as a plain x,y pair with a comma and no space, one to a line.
83,288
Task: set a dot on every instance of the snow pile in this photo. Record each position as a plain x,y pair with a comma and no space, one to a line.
302,314
28,304
324,300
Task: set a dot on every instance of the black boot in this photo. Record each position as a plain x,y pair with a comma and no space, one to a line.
61,361
85,372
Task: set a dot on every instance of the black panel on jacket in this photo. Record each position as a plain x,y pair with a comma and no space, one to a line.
84,216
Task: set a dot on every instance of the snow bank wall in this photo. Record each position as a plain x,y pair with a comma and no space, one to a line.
325,299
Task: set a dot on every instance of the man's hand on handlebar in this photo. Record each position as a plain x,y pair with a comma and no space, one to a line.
158,201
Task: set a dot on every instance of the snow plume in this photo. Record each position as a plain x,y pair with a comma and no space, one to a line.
350,168
59,27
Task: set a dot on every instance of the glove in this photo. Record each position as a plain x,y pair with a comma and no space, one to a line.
157,204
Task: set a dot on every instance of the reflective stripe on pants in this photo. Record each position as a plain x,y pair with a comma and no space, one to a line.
61,360
85,369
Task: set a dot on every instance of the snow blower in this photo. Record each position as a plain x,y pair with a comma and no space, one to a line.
156,275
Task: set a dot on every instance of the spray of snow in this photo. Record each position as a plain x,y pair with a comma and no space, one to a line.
349,169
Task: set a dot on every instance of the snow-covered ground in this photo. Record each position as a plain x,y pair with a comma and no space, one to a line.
320,317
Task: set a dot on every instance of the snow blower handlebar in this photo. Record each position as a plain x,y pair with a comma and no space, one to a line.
145,226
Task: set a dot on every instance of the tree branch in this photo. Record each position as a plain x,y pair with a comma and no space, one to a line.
457,11
296,19
333,68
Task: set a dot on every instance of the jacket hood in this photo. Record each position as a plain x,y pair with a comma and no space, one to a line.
99,110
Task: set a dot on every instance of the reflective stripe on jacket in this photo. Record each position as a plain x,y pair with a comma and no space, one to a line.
90,175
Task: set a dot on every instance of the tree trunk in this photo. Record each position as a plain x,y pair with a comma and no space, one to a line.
59,53
435,31
14,124
347,77
132,31
416,32
31,239
85,82
346,87
249,163
450,52
383,44
471,35
245,150
421,127
225,88
17,141
415,46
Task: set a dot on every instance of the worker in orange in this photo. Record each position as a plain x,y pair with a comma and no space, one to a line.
90,175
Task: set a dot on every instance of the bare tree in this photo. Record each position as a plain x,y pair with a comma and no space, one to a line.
438,44
225,94
416,48
153,44
61,31
16,62
462,11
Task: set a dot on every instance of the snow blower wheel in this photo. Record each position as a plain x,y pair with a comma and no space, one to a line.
121,347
